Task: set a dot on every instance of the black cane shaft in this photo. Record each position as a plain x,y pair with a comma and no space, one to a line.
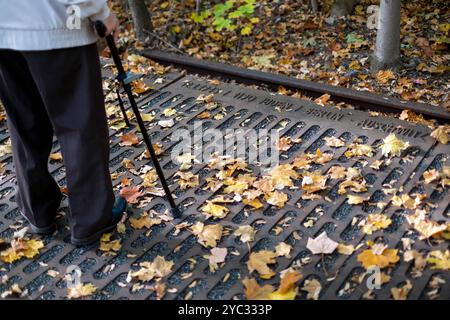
122,108
149,145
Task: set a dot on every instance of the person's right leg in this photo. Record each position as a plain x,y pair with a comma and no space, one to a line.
38,196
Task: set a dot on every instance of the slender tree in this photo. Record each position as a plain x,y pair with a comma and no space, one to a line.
342,8
387,50
141,18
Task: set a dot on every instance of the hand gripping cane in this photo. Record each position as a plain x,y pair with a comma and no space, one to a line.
125,81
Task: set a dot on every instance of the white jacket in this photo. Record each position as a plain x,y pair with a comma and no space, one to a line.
49,24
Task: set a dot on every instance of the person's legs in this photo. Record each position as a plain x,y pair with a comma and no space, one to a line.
69,81
38,196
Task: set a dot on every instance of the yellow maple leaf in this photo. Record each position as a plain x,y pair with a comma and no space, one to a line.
359,150
276,198
80,291
386,258
255,203
376,221
259,261
144,221
440,259
21,248
283,175
314,181
393,146
208,235
351,199
215,210
253,291
441,134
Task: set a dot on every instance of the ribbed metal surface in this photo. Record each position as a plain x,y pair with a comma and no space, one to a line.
246,108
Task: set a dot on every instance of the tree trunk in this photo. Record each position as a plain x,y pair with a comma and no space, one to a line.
141,18
314,5
387,51
342,8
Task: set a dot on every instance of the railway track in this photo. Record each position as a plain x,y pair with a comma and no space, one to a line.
360,99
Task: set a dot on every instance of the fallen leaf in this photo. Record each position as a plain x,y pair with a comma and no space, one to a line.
321,244
131,194
313,288
80,290
393,146
402,292
246,232
259,261
208,235
158,268
386,258
440,259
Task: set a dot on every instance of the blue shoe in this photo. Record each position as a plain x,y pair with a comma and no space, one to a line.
119,208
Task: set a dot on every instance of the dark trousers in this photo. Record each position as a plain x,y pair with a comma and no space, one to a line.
58,92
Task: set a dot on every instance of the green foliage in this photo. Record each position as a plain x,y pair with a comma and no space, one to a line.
230,15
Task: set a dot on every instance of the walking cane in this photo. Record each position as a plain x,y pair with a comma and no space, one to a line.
125,80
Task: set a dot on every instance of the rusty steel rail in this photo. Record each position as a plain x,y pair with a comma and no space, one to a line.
360,99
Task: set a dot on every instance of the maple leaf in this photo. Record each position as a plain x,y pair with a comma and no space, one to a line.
313,288
440,259
359,150
158,268
351,199
426,227
80,290
144,221
393,146
346,250
284,143
321,244
276,198
336,172
402,292
259,261
149,178
287,289
282,176
187,180
131,194
314,181
376,221
302,161
430,176
208,235
129,139
283,249
264,185
215,210
246,232
253,291
406,201
255,203
334,142
383,259
441,134
217,256
56,156
383,76
320,158
108,245
21,248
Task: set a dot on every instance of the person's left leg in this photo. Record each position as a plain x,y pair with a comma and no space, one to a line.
38,196
70,83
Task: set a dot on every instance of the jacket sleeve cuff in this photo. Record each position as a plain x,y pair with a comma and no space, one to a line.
102,15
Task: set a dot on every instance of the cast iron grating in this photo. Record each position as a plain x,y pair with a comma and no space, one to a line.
244,109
